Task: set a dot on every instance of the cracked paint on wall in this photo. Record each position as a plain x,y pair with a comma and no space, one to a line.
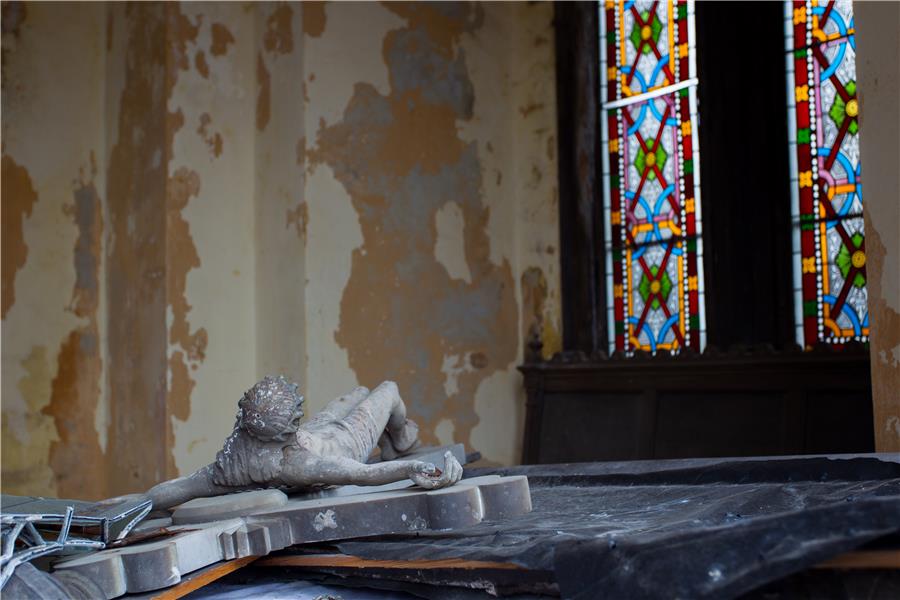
279,34
19,197
26,445
76,387
189,262
314,18
221,39
401,160
52,371
187,346
136,255
213,139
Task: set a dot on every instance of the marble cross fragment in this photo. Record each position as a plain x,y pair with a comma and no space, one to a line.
277,522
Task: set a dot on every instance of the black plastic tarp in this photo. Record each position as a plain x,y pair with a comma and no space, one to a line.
675,529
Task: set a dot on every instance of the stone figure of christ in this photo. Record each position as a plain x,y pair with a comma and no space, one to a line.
269,447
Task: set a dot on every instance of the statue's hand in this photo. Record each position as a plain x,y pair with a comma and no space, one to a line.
426,475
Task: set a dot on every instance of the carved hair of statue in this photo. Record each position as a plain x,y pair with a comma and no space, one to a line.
271,410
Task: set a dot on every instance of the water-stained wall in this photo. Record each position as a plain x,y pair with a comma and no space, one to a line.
198,194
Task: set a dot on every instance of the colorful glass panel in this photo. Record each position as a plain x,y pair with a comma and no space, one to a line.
829,240
651,192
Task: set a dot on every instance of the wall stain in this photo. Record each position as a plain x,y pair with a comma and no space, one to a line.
279,35
26,444
144,261
186,347
182,256
538,316
301,151
263,93
214,140
885,347
313,18
19,197
76,391
298,217
135,262
86,212
14,14
179,31
530,108
76,387
201,64
401,159
221,38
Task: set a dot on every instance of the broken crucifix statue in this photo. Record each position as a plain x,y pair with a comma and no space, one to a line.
269,448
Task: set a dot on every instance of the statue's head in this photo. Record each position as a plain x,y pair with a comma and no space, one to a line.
271,410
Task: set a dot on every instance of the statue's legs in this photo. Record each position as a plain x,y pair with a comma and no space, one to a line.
338,408
381,412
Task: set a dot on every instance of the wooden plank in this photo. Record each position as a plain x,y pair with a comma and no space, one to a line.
863,559
344,560
203,577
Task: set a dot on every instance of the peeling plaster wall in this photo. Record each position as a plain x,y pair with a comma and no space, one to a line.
878,62
53,291
195,195
438,127
211,263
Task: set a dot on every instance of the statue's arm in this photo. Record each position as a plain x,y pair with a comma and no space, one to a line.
196,485
333,470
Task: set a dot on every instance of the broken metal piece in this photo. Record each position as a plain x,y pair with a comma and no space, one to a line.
106,520
32,527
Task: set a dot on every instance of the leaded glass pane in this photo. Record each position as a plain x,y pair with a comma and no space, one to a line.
651,191
823,106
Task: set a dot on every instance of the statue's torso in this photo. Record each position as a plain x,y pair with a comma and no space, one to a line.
245,460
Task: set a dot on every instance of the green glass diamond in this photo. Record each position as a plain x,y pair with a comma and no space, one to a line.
838,111
637,34
660,286
660,156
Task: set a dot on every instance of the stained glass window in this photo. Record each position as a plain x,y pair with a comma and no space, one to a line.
651,196
829,241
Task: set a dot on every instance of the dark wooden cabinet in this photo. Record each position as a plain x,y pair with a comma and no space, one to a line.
697,406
